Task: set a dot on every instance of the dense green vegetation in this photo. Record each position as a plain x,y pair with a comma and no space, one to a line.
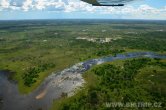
33,73
26,45
108,51
147,41
136,80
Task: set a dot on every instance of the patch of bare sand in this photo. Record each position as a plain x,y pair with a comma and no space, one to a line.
41,95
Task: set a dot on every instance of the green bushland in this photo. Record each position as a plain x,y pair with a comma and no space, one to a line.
26,45
135,80
32,74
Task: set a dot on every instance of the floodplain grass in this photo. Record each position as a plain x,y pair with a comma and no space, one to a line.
27,44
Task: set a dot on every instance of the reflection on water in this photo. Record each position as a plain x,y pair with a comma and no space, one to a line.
55,85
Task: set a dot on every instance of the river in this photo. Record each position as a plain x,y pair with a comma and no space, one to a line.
52,88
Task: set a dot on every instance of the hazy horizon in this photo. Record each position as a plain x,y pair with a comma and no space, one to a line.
82,19
76,9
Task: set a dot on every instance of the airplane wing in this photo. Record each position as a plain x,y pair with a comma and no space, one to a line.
107,2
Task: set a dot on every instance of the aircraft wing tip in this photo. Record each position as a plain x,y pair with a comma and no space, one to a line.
108,5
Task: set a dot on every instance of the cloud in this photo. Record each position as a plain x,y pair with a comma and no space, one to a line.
78,6
143,11
27,5
69,6
4,4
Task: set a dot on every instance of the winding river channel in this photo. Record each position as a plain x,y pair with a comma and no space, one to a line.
66,81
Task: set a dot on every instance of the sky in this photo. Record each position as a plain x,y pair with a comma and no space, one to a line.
77,9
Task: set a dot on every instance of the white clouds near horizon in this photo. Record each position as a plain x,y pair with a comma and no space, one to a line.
69,6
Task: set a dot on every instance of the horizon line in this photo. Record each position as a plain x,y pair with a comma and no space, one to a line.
82,19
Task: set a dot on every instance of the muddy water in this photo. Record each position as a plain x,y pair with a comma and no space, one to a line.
52,88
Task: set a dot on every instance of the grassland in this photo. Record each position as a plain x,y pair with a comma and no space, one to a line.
31,44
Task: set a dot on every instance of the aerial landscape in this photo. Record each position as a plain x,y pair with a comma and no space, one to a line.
82,64
34,49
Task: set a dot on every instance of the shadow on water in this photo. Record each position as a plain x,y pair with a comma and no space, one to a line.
55,85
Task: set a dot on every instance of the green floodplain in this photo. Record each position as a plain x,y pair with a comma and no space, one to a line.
34,49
